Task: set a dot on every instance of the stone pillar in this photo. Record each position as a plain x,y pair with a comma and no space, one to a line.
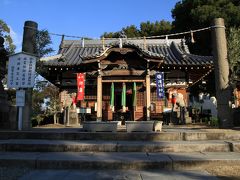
28,46
99,98
148,97
223,90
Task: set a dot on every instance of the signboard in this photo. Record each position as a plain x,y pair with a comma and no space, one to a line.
84,110
21,70
160,84
20,98
80,86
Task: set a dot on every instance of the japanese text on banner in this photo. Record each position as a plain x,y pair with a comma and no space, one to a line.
160,84
80,86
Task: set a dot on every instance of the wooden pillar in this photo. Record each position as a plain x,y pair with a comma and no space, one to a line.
29,46
148,97
223,92
99,98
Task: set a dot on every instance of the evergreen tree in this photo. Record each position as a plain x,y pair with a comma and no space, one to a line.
5,33
194,14
146,29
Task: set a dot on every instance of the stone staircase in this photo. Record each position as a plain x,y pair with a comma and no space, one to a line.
171,150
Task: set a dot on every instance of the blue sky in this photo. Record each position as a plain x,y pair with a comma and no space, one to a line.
88,18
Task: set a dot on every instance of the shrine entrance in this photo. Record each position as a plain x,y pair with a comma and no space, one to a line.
121,111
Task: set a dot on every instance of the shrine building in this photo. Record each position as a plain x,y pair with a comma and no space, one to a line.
112,67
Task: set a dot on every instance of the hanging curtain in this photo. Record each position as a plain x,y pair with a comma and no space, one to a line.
112,97
124,97
134,96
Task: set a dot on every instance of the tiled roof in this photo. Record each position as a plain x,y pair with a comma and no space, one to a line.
171,51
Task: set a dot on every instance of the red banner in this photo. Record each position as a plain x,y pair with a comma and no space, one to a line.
80,86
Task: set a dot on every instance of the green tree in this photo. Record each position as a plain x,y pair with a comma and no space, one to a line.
46,102
233,44
5,33
146,29
53,103
194,14
155,29
43,42
43,90
189,14
131,31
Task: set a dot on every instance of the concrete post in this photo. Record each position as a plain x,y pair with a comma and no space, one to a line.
148,97
99,98
28,45
223,90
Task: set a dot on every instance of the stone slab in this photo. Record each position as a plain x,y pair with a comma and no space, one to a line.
165,135
173,146
117,175
56,145
203,160
30,145
107,161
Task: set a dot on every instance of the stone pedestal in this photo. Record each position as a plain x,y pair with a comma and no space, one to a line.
93,126
139,126
4,109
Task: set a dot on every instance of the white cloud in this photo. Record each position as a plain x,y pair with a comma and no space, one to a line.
17,39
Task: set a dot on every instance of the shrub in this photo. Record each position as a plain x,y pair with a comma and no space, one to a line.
214,121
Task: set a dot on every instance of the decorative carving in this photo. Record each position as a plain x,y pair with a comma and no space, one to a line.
122,66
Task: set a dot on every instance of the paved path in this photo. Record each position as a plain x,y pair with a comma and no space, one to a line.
116,175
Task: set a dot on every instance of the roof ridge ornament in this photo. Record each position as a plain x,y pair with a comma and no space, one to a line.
144,43
166,39
83,42
123,34
120,43
103,43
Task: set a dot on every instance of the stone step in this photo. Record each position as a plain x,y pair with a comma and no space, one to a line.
169,135
26,145
116,160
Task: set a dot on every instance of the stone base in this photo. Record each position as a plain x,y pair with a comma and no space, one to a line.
94,126
73,118
8,119
139,126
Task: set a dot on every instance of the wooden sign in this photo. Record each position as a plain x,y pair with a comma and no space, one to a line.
21,70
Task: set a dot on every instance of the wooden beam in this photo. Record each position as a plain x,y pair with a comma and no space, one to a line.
124,80
123,72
